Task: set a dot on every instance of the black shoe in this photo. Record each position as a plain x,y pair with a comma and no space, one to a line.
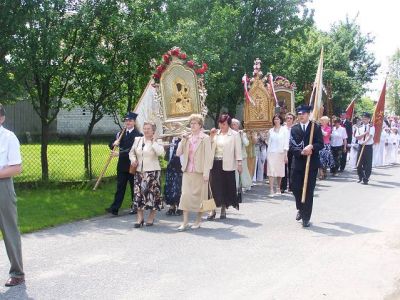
359,180
212,216
298,216
365,181
306,223
179,212
138,225
222,216
170,212
111,211
149,224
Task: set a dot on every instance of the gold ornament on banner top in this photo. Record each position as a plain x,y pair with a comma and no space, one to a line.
179,91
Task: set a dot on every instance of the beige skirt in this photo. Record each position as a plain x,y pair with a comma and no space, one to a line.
276,164
193,190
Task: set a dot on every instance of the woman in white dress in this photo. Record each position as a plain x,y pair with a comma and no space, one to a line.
278,146
245,176
379,151
354,145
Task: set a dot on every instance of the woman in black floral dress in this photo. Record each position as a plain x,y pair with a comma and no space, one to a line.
144,156
173,180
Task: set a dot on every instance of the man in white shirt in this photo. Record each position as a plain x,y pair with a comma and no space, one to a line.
338,144
365,137
10,165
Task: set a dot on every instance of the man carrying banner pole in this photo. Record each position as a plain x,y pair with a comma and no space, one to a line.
306,158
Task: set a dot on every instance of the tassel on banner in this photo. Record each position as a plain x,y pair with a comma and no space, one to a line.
247,96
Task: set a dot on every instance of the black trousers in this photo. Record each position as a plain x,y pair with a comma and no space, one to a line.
288,171
365,167
343,160
337,157
297,188
122,180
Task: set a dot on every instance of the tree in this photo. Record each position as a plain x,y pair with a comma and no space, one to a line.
229,35
13,15
43,62
365,104
393,90
348,64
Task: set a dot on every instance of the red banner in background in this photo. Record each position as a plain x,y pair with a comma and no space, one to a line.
377,118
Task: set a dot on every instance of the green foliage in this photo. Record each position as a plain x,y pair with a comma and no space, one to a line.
365,104
393,90
348,64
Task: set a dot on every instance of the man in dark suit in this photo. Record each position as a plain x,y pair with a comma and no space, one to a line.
123,175
302,148
349,130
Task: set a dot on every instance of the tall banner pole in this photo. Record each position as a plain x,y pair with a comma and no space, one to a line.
315,114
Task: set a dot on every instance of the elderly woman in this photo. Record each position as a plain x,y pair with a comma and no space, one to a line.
195,149
245,176
278,146
227,151
325,154
144,156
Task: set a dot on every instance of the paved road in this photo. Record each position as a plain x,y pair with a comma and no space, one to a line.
351,251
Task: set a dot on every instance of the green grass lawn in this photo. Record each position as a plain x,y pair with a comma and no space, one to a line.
66,162
47,207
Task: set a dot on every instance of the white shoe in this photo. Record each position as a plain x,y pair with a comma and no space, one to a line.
196,226
279,193
183,227
271,195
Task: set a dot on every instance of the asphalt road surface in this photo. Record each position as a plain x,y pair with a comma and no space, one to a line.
351,251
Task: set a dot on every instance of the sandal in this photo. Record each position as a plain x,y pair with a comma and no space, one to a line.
212,216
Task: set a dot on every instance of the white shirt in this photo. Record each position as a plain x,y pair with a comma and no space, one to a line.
10,154
278,142
365,140
304,125
337,137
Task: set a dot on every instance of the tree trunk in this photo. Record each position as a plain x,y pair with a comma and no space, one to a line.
43,150
88,139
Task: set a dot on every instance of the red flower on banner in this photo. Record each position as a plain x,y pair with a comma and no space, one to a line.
160,68
183,55
190,64
156,76
166,58
175,51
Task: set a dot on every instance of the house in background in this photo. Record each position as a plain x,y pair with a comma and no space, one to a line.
23,120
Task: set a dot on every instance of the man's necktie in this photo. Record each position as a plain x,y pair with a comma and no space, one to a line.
304,127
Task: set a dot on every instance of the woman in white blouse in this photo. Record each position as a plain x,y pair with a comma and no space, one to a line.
144,156
278,146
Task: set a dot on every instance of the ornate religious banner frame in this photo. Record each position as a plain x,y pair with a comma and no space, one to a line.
180,91
258,114
284,91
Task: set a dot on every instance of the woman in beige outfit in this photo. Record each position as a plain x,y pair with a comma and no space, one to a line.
144,155
195,149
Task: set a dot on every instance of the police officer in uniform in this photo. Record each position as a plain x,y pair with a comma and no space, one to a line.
123,175
365,137
10,165
300,147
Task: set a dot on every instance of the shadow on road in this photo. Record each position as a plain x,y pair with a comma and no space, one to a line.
17,292
343,229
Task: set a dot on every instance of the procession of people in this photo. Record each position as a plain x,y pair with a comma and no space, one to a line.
214,166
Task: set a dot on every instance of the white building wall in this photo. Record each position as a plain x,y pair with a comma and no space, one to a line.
75,122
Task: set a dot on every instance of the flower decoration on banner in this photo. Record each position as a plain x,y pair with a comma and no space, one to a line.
176,52
281,81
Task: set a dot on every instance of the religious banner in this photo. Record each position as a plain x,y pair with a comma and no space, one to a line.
377,118
179,91
284,90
